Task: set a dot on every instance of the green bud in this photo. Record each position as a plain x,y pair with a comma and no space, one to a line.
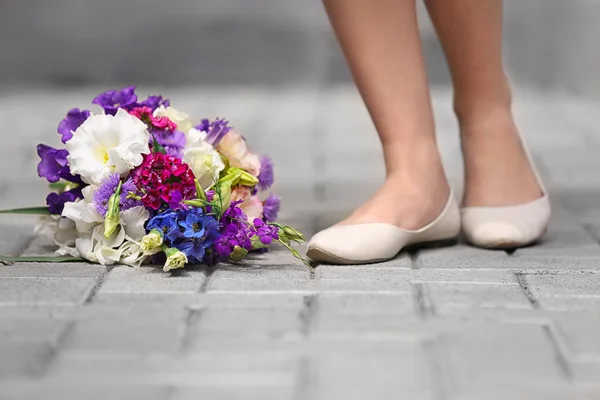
256,243
247,179
238,254
223,196
200,194
292,233
151,243
111,222
175,259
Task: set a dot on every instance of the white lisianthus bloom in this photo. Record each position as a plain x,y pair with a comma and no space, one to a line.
122,247
55,230
104,144
181,119
206,163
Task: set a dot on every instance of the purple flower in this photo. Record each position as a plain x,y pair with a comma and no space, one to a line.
271,208
56,201
54,165
72,121
112,100
234,232
172,142
214,130
265,178
266,233
108,187
154,102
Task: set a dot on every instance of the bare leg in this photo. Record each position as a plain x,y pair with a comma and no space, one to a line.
497,171
380,40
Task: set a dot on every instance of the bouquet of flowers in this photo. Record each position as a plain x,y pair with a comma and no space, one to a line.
139,183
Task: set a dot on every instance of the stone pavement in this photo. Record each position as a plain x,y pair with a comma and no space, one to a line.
439,324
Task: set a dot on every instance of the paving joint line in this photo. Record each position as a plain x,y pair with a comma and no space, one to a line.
526,291
559,353
192,318
422,300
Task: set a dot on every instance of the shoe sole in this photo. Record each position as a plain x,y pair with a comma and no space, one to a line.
324,257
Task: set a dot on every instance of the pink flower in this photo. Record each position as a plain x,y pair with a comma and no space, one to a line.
233,146
145,115
252,206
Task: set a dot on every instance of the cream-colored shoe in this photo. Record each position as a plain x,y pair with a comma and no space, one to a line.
511,226
375,242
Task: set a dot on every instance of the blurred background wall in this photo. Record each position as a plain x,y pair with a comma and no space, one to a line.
550,44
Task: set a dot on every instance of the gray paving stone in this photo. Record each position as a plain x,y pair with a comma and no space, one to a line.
580,333
475,276
15,330
400,270
23,311
91,391
279,392
329,305
123,279
477,295
37,270
583,284
275,324
216,369
484,354
128,329
45,291
309,286
24,359
377,368
249,300
160,297
267,266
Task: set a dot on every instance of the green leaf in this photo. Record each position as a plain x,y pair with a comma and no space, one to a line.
156,147
50,259
28,210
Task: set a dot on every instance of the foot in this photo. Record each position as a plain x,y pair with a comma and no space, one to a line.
497,170
411,197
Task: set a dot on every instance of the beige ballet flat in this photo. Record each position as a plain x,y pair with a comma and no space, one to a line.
511,226
375,242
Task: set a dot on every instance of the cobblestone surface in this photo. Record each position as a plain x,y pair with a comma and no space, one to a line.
446,323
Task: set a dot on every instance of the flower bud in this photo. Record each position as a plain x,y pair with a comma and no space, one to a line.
151,243
175,259
111,222
238,254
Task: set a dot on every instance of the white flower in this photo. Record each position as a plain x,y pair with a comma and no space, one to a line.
55,230
181,119
122,247
104,144
205,162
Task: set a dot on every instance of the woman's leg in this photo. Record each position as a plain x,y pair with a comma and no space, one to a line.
380,40
497,170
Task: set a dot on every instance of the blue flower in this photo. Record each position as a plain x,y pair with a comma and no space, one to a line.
200,232
167,223
193,224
